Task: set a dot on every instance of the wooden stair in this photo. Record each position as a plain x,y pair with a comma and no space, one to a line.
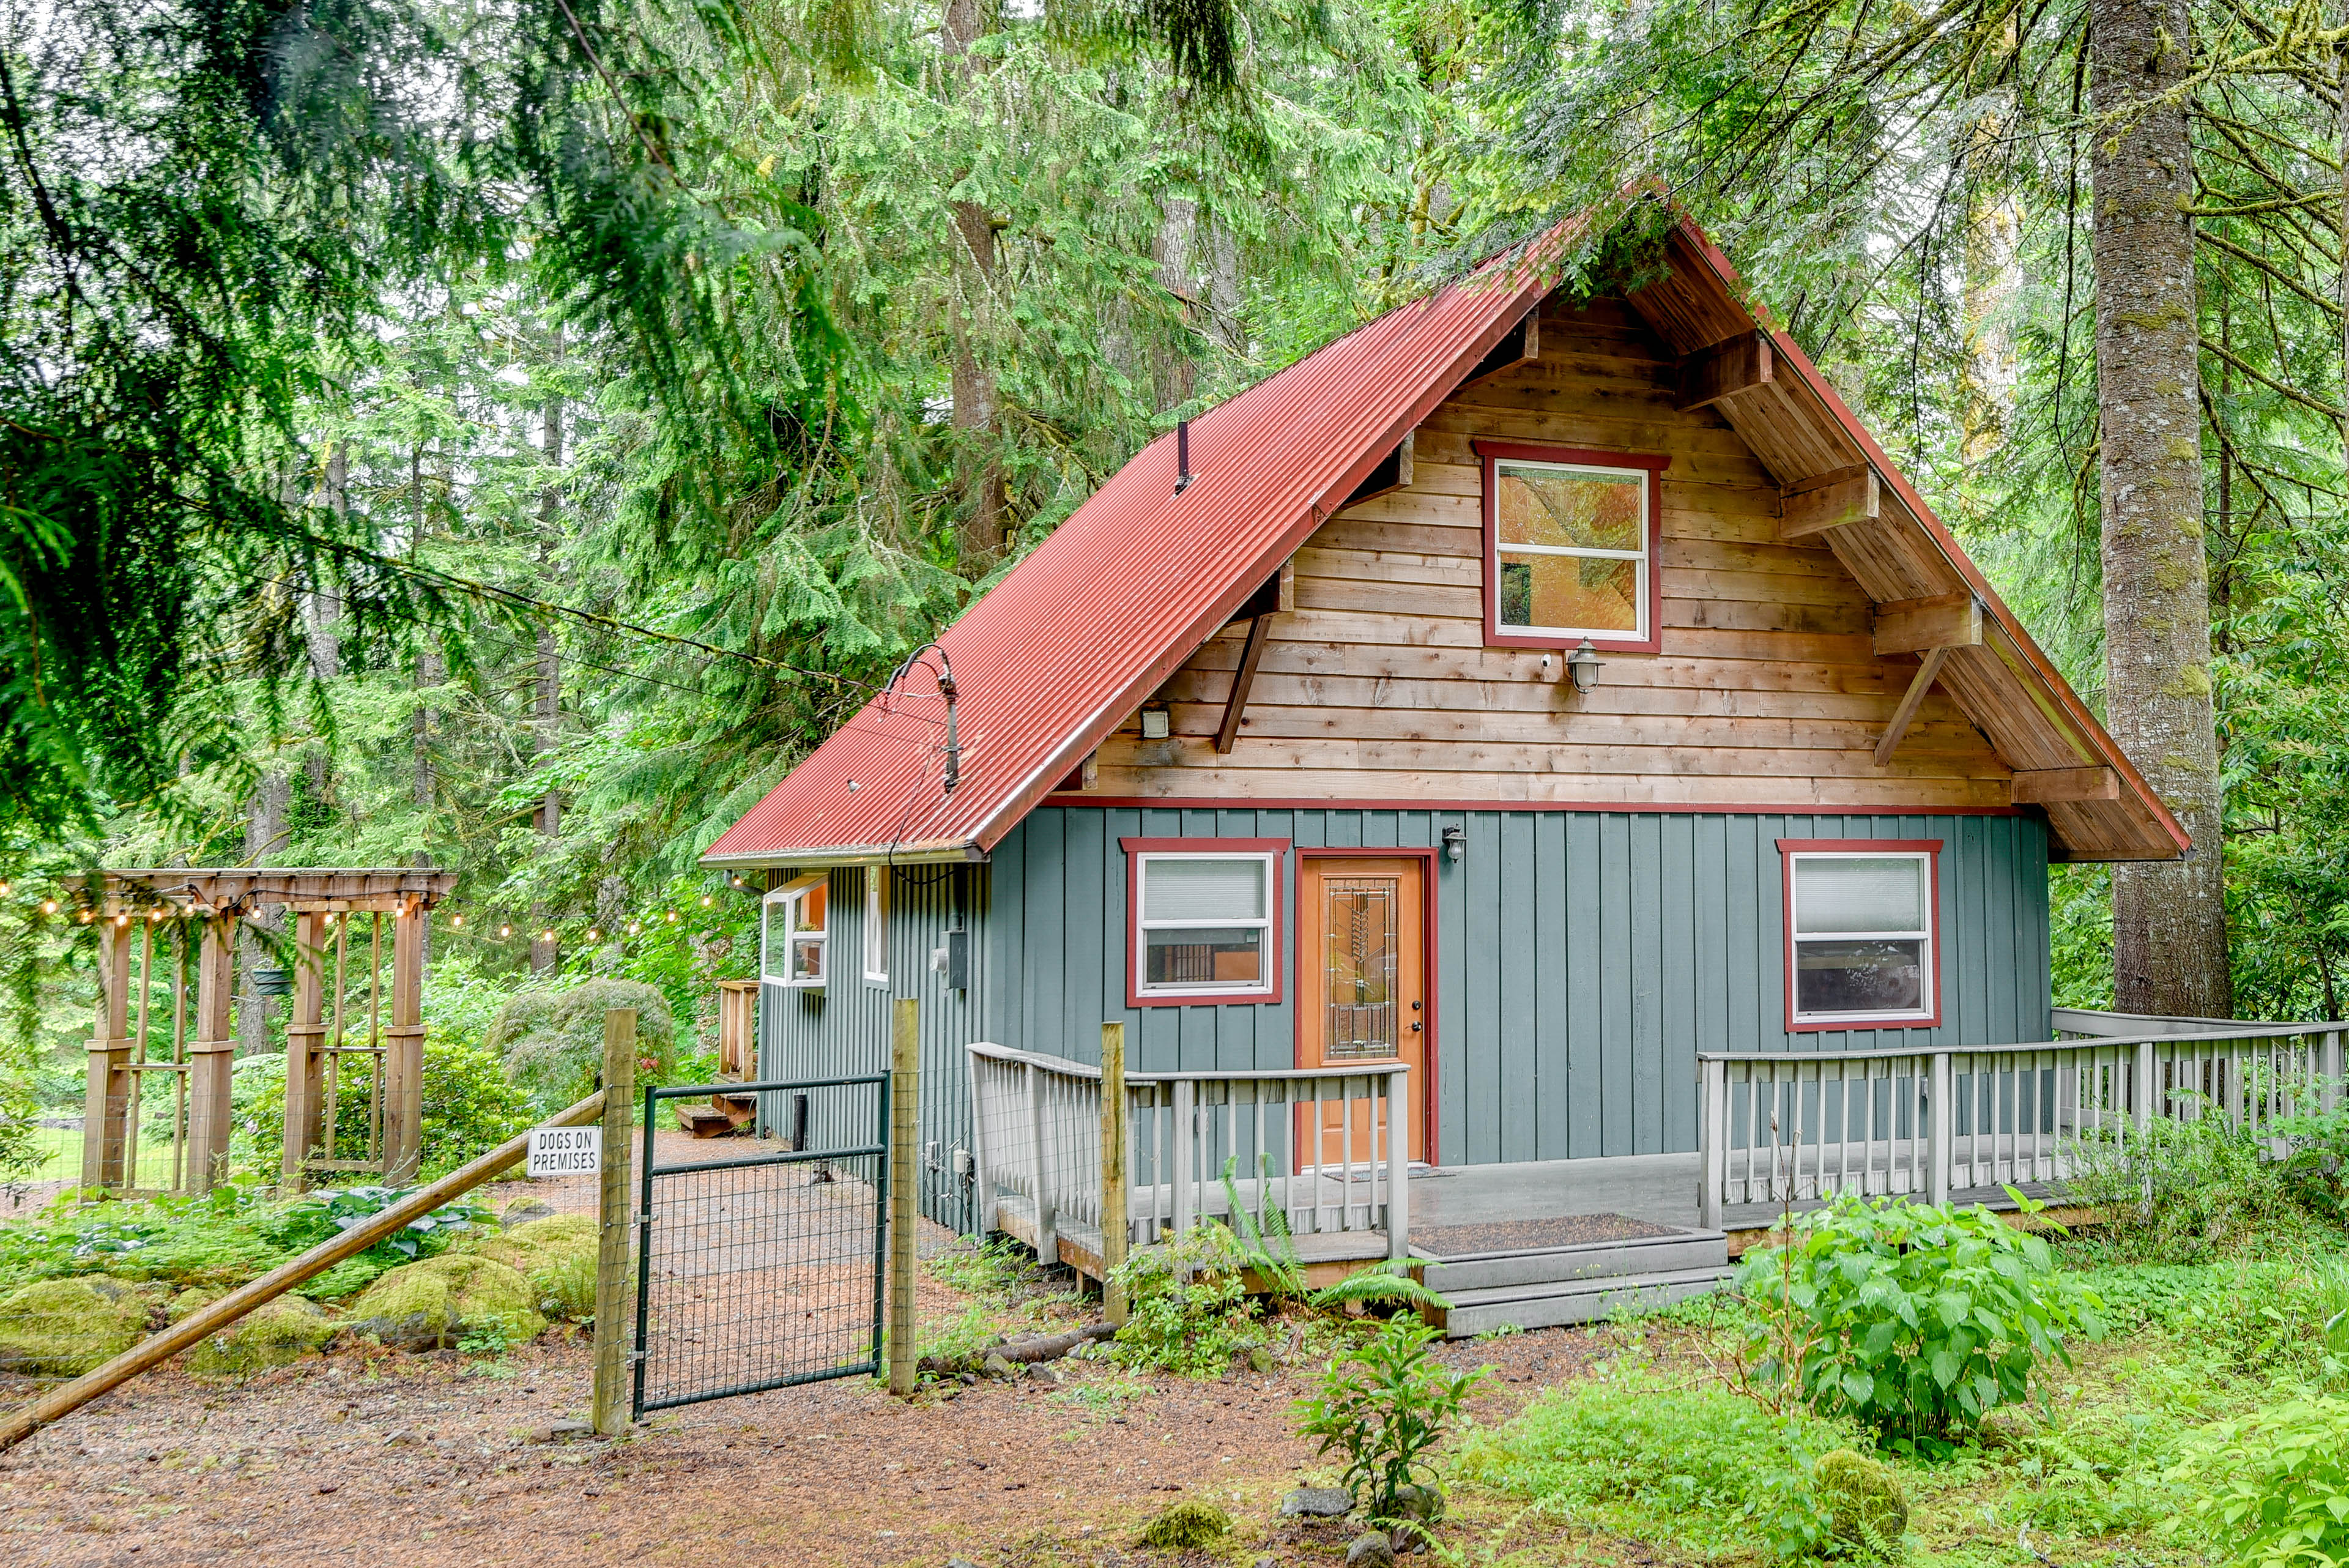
1543,1287
727,1112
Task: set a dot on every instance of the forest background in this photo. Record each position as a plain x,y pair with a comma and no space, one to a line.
511,439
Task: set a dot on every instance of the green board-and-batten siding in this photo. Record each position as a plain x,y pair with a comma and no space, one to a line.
1583,958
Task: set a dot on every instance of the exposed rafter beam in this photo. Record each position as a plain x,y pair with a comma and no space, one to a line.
1520,345
1392,473
1736,365
1906,714
2047,786
1228,733
1828,501
1915,625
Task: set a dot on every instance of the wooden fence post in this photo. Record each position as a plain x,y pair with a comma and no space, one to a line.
1112,1169
1941,1140
306,1031
612,1285
106,1099
211,1052
1711,1140
905,1131
403,1043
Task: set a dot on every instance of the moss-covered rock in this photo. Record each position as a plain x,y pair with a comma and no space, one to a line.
434,1303
553,1041
557,1256
271,1334
1187,1527
63,1328
190,1299
1869,1511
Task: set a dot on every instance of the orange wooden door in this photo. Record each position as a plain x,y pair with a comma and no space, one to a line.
1362,993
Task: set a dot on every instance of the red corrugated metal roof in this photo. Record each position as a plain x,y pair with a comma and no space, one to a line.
1085,629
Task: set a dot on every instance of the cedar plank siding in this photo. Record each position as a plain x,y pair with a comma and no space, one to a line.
1767,693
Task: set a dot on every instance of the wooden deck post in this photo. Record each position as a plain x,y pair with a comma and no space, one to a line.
612,1317
212,1054
982,1171
1186,1161
403,1047
106,1099
1711,1140
306,1031
2329,1072
1040,1172
905,1129
1113,1169
1938,1144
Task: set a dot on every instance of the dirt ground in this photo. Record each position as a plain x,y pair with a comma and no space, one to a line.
429,1462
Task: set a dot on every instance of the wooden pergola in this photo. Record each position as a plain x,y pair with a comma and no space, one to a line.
187,919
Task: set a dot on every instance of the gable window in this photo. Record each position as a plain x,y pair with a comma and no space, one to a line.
1570,541
793,942
876,925
1205,919
1860,932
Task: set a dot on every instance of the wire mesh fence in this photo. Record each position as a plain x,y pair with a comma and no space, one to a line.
762,1271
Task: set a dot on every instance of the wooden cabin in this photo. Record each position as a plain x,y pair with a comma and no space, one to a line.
1538,692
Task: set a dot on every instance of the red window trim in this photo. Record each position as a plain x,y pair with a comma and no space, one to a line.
1277,848
1931,849
1494,452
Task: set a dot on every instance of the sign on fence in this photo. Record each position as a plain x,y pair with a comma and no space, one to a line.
565,1151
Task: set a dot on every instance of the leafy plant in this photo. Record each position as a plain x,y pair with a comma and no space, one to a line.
1915,1320
2272,1487
1188,1304
1265,1247
470,1107
1383,1406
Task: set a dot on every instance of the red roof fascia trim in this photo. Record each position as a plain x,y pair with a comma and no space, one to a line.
2058,688
1404,803
1527,291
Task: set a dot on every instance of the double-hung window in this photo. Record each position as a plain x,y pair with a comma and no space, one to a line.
876,925
793,942
1860,933
1570,547
1205,919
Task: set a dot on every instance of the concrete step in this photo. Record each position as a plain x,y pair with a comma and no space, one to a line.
1680,1251
1576,1300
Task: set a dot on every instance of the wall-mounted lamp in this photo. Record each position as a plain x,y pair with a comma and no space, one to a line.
1583,664
1155,724
1456,845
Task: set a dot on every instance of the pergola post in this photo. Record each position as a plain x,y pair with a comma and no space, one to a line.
403,1047
106,1105
305,1030
212,1054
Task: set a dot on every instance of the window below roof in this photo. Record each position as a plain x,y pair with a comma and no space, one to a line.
1570,547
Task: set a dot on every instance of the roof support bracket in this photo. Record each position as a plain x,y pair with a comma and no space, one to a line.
2048,787
1228,733
1828,501
1906,714
1914,626
1736,365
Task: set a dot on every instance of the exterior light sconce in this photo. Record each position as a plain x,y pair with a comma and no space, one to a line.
1156,723
1456,843
1583,664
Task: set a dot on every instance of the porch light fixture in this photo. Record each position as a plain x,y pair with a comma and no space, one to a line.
1456,843
1583,665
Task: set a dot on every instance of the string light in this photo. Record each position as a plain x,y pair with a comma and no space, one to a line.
506,930
456,919
48,905
705,900
6,888
672,917
634,927
85,917
592,934
546,936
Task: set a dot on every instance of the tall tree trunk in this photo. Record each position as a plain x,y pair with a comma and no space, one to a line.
976,403
544,953
1993,279
2169,920
1174,374
264,842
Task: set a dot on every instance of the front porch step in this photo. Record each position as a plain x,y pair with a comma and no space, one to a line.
1675,1252
1556,1302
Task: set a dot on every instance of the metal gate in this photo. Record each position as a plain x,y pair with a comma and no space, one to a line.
763,1269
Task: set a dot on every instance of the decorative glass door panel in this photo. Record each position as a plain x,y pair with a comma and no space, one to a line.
1362,977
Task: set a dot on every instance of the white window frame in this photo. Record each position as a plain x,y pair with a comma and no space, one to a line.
1928,939
1642,558
1267,980
876,925
780,904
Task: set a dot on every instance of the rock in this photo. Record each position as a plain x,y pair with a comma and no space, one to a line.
2004,1430
1042,1372
566,1429
996,1366
430,1305
63,1328
556,1252
1866,1507
522,1211
1186,1527
1318,1503
273,1333
1259,1360
189,1301
1371,1550
1412,1500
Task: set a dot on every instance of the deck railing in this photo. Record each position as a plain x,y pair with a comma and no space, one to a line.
1328,1149
1780,1127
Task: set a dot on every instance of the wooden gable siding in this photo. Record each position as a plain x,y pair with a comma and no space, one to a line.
1767,691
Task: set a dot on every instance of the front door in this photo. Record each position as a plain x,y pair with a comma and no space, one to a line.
1362,993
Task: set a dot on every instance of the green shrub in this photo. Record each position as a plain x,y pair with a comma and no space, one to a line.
1383,1406
1915,1320
470,1107
1187,1306
552,1042
2273,1487
1702,1468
